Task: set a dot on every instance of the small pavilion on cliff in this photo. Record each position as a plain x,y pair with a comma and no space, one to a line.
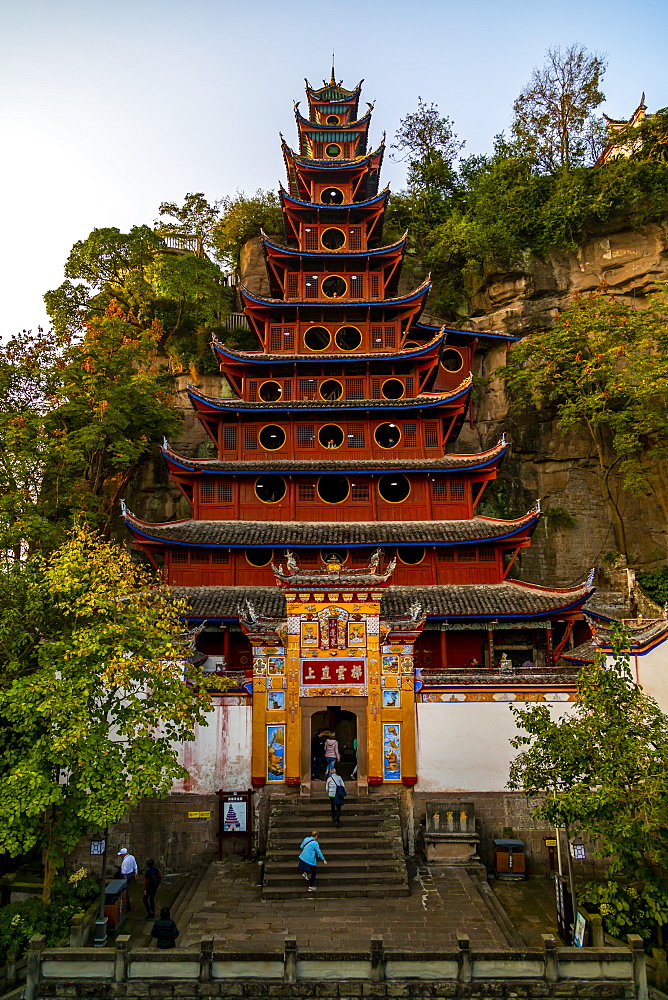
334,548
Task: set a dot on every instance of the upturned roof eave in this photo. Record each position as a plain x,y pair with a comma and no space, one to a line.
420,293
420,403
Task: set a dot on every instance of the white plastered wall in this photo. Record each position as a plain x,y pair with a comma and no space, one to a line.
651,672
220,755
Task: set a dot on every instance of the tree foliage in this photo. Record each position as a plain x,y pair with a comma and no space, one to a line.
603,769
195,218
243,217
647,141
553,116
96,694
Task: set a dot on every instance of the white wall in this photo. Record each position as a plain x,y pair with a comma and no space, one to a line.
220,755
464,745
651,672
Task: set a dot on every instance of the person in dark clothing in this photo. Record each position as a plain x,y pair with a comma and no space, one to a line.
317,755
152,880
165,930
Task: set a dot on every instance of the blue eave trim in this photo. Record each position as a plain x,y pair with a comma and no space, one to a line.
351,204
346,303
293,359
330,409
469,333
319,126
327,255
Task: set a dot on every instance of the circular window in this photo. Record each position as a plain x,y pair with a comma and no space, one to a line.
269,392
327,555
333,239
332,150
272,437
332,119
411,554
259,557
410,346
451,360
394,488
331,196
330,436
331,389
333,489
348,338
393,389
387,435
317,338
270,489
333,287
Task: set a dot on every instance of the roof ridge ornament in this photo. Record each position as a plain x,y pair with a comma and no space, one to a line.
125,511
590,578
503,440
536,506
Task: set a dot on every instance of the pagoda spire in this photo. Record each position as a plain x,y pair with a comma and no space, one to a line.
333,78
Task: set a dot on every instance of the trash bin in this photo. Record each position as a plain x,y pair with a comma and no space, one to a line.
509,859
115,902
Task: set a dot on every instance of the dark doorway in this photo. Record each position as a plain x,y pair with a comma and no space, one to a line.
343,725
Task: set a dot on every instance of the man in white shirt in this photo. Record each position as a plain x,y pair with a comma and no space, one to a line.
128,869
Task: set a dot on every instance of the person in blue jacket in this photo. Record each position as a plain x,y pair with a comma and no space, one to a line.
308,859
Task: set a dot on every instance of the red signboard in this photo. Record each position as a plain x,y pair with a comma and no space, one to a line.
333,672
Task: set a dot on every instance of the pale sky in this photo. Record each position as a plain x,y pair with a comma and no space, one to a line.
109,108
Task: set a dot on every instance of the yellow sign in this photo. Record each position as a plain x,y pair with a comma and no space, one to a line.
199,815
550,842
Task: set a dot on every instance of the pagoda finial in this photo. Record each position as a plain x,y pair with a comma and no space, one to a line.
642,101
333,79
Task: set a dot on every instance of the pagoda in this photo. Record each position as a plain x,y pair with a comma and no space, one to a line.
334,549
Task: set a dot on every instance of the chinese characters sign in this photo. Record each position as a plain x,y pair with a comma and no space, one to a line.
333,672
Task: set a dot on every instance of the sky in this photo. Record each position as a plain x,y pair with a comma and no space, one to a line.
109,108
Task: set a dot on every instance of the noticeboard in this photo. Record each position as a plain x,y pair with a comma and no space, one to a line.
564,907
235,818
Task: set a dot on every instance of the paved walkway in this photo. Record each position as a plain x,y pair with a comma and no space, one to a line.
441,904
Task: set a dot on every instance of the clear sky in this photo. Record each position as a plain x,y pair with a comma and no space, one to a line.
109,108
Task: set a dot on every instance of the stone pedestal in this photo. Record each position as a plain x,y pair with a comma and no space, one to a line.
450,837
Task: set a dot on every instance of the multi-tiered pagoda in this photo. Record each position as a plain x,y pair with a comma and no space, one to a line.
338,523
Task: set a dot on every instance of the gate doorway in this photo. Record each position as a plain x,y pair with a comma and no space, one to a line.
343,725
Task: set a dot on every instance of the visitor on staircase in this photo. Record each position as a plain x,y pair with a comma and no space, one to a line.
308,859
336,790
332,755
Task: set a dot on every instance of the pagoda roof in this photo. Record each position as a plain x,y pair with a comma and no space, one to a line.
356,534
333,91
293,252
311,164
484,334
382,196
256,357
510,600
420,292
329,466
234,403
324,127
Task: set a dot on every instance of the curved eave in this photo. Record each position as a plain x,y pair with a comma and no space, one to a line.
210,403
480,334
311,92
322,127
283,251
286,197
263,359
419,293
308,164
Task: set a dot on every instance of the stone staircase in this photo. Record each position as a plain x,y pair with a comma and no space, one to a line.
365,854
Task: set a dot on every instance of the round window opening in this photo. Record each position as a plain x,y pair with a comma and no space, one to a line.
331,389
331,196
411,554
333,489
452,360
270,489
330,436
387,435
348,338
393,389
411,346
317,338
332,150
394,489
333,239
332,119
259,557
333,287
269,392
272,437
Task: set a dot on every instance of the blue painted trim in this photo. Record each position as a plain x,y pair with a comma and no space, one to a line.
318,409
468,333
347,303
327,255
323,125
352,204
301,359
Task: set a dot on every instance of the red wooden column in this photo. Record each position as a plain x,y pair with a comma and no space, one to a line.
444,649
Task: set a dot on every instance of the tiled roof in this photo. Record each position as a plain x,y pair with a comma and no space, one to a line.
512,599
297,533
584,653
257,357
234,403
422,289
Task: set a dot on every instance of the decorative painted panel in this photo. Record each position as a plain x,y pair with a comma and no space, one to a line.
275,753
391,751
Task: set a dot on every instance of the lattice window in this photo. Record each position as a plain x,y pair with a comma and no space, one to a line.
354,388
410,435
229,437
355,435
252,391
207,491
430,434
390,339
376,337
224,491
410,386
250,438
467,554
289,338
359,492
355,239
199,556
375,388
311,240
439,489
374,286
293,286
305,435
287,389
486,553
220,557
308,388
446,555
305,492
275,339
311,286
457,489
179,555
356,286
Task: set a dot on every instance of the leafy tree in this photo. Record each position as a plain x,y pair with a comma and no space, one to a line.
648,140
553,117
95,696
195,218
603,367
241,218
603,769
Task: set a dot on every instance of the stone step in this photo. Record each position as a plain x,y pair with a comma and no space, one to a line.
336,892
362,824
336,850
288,866
329,880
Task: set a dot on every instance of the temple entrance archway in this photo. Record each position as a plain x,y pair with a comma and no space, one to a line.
343,724
346,718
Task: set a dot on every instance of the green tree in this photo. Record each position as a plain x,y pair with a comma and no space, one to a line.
648,140
603,368
196,218
603,769
241,218
553,116
97,693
